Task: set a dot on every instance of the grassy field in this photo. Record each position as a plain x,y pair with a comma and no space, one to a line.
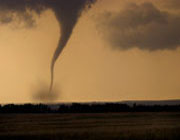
123,126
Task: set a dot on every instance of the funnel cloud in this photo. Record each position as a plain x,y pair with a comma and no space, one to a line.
67,13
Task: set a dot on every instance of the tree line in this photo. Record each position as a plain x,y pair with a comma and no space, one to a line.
86,108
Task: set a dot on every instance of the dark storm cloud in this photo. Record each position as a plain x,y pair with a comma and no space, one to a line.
143,26
67,13
11,10
174,4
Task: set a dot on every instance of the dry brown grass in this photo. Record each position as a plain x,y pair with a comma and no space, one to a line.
124,126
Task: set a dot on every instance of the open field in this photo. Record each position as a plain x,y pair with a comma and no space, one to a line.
124,126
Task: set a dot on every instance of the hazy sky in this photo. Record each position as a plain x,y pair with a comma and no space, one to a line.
119,50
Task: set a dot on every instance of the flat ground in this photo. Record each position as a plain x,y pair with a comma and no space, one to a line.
124,126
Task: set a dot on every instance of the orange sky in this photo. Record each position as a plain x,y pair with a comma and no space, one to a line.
88,69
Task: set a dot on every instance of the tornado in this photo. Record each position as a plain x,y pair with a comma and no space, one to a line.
67,13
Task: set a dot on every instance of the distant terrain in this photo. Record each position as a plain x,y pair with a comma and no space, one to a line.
153,102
